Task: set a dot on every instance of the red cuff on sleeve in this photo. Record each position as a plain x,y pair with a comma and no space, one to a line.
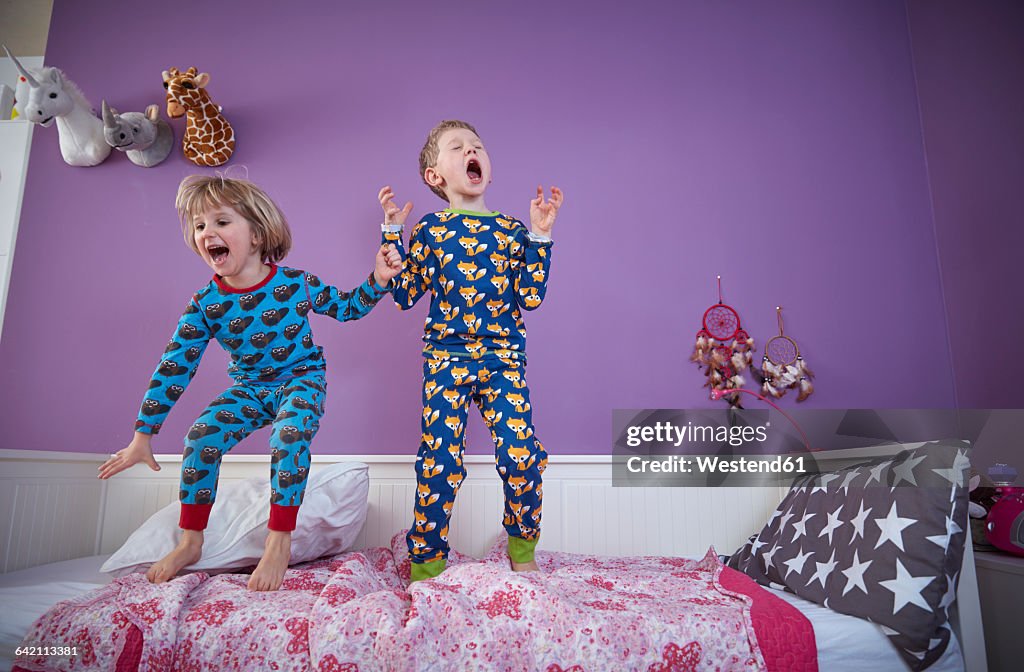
147,428
194,516
282,518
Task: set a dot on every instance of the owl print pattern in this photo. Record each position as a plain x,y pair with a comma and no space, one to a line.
278,371
293,409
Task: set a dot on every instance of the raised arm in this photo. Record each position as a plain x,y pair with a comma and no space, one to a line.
341,305
413,282
532,250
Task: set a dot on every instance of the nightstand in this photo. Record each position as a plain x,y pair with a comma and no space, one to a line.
1001,591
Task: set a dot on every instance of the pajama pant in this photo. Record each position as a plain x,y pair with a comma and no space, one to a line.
293,407
499,390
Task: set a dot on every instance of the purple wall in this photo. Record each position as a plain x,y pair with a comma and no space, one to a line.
779,146
969,60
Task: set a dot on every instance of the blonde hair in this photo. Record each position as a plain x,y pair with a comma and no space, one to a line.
198,193
431,150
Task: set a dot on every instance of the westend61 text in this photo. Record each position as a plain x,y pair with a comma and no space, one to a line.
703,464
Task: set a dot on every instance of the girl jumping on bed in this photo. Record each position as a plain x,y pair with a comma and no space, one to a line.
258,311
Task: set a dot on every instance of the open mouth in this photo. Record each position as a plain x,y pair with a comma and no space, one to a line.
473,171
218,253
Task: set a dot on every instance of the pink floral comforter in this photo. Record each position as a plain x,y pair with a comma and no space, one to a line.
356,612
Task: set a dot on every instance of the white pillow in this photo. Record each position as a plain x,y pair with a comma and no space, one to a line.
331,516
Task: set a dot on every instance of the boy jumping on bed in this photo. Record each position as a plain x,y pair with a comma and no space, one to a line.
258,311
480,268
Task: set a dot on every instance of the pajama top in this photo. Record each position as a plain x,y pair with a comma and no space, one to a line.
481,270
264,328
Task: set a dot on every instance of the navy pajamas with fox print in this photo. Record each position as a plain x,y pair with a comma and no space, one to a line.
481,270
499,390
279,377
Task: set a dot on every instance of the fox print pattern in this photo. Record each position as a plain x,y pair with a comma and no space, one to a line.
483,270
520,458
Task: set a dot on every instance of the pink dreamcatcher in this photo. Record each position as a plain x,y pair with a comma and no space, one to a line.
724,350
782,366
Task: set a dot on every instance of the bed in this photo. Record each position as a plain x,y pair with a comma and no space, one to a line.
842,643
27,594
326,601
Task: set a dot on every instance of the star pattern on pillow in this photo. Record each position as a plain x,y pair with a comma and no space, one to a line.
883,541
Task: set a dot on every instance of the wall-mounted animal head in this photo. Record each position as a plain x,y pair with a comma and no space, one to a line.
40,94
209,139
144,137
131,130
184,90
46,95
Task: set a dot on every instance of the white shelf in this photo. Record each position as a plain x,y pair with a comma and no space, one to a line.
15,143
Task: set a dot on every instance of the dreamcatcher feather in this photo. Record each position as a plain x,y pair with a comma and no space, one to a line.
783,368
723,349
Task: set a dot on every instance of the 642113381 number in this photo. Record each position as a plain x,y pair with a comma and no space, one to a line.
46,651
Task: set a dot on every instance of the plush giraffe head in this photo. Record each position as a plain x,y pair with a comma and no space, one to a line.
209,139
184,90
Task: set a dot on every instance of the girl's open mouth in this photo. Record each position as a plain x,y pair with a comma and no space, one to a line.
218,253
473,171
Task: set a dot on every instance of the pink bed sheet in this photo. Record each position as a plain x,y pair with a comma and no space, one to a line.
356,613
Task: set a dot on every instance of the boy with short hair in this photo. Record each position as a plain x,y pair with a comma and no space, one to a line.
480,268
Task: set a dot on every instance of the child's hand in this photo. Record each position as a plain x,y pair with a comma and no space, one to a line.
388,265
139,450
392,215
542,214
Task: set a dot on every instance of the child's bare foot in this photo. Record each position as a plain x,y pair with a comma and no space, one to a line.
276,553
188,551
530,566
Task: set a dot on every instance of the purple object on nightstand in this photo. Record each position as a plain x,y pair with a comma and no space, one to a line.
1002,474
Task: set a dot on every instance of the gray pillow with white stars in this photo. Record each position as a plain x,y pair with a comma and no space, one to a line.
882,541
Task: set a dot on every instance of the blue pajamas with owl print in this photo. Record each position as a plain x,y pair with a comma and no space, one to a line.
279,377
293,408
480,270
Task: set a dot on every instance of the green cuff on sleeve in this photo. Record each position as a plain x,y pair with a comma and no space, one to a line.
426,570
521,550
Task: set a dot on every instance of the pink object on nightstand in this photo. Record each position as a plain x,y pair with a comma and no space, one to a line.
1005,525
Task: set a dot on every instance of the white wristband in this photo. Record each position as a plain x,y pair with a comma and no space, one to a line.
391,228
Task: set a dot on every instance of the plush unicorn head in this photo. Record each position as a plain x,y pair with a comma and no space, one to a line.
45,95
144,137
42,99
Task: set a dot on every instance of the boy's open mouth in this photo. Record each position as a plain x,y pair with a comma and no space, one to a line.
218,253
473,171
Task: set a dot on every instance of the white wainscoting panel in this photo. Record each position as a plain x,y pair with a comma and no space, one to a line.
52,507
